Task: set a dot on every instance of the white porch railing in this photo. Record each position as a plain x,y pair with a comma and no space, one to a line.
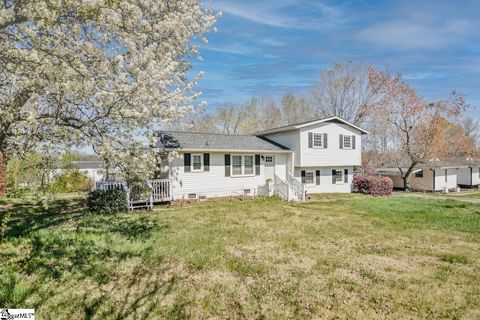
297,187
162,190
281,188
111,185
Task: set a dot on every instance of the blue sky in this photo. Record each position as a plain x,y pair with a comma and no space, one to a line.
268,47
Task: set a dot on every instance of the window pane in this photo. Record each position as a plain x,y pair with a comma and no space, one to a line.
347,141
236,165
317,140
248,164
197,162
237,160
269,159
309,177
338,177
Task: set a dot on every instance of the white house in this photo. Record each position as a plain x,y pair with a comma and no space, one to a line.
311,157
432,176
93,169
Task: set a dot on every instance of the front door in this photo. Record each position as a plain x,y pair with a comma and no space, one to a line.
269,167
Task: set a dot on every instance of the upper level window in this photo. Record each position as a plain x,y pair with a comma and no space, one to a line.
419,174
347,142
197,162
317,140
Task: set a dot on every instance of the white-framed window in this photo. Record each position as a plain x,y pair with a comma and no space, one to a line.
419,174
347,142
309,177
248,165
236,165
338,176
197,162
243,165
318,140
268,159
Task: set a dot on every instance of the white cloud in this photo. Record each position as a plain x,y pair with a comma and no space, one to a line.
277,13
415,33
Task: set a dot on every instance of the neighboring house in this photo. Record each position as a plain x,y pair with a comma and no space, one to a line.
313,157
432,176
92,169
469,173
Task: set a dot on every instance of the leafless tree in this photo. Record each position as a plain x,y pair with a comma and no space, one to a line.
471,128
295,108
343,91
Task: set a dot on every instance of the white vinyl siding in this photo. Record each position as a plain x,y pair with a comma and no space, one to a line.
325,185
213,183
333,155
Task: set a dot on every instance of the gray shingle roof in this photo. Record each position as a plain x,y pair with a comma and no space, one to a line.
177,140
459,162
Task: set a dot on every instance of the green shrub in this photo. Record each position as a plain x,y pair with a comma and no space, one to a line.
71,180
109,201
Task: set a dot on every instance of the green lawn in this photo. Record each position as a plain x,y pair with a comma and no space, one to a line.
475,195
378,258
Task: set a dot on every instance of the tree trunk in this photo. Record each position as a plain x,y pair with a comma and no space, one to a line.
406,178
3,175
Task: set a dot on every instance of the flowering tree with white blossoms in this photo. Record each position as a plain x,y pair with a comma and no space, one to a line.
103,73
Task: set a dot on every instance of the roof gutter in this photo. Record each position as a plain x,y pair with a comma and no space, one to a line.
230,150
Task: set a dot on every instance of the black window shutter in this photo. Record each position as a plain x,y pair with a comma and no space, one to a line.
353,142
257,164
227,165
334,176
345,176
325,141
303,176
317,177
187,158
310,140
206,162
341,141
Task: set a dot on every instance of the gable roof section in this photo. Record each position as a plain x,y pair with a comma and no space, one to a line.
195,141
310,123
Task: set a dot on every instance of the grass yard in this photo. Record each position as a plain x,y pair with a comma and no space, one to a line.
473,195
377,258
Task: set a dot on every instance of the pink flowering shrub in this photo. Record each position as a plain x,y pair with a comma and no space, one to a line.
372,184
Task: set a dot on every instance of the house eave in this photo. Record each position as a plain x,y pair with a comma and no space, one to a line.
303,125
229,150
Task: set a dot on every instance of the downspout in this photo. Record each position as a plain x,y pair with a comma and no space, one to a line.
433,179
